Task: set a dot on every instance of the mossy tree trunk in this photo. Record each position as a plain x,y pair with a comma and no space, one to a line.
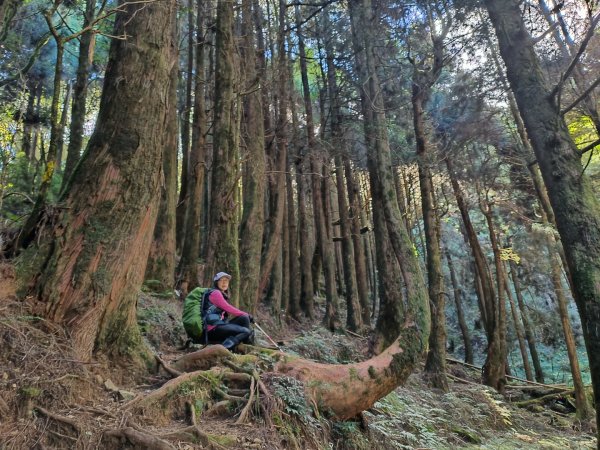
396,260
161,260
576,207
94,262
254,167
495,367
435,365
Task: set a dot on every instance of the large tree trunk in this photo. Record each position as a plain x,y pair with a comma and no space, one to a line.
96,258
329,385
575,205
161,260
253,135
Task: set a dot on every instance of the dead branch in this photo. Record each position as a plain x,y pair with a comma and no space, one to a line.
137,438
174,373
544,399
583,96
58,418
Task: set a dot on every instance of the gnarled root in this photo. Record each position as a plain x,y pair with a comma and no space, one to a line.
137,438
202,359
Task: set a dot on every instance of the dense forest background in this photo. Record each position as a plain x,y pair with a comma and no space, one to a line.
425,170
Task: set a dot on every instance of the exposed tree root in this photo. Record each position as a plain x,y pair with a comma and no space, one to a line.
202,359
59,418
244,414
140,439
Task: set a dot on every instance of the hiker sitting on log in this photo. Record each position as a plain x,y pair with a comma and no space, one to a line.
230,331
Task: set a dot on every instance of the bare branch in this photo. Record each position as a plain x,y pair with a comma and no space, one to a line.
575,61
583,96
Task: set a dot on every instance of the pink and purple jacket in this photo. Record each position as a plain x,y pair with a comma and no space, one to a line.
216,298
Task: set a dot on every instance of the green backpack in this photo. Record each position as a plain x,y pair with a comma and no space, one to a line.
193,313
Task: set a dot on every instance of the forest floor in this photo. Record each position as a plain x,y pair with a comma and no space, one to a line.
48,399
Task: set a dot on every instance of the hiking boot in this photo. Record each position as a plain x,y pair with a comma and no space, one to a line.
250,339
229,343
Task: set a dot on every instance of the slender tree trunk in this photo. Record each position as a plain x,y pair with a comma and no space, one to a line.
190,249
575,204
293,262
435,365
583,408
279,158
94,263
253,135
223,249
529,335
184,200
78,106
28,131
325,244
462,323
495,367
353,317
360,258
495,362
518,330
305,231
60,144
28,232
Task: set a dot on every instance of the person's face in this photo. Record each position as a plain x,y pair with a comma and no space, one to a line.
223,283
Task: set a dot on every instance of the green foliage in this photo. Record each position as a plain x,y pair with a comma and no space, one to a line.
292,393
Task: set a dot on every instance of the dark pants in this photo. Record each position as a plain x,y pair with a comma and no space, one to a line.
237,329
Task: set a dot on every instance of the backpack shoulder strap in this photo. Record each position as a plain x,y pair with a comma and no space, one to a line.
205,302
